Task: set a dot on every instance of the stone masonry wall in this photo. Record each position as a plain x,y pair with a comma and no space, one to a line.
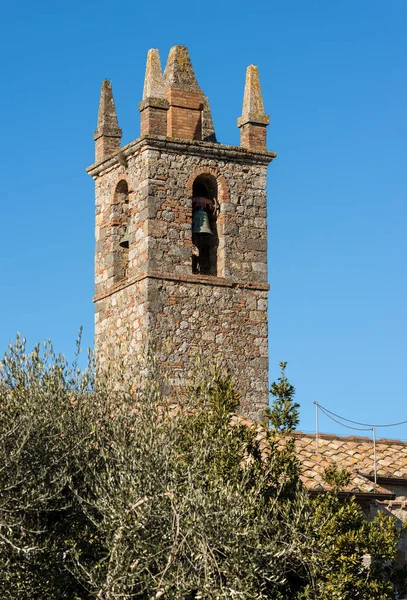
226,324
184,321
160,301
121,320
242,230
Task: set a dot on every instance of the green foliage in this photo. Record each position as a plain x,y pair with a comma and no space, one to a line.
110,491
40,437
349,556
337,478
284,416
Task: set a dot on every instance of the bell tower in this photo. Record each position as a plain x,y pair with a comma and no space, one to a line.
181,233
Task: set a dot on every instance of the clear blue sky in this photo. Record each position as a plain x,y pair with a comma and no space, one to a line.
334,82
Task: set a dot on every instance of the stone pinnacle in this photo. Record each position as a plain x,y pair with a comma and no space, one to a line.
154,86
179,72
107,117
253,109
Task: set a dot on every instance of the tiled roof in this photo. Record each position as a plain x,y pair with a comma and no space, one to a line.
356,454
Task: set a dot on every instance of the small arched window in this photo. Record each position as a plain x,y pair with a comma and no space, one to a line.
205,239
121,241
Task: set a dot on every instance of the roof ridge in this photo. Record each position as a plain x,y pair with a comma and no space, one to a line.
350,438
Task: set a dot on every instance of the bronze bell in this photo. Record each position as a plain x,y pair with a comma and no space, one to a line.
124,242
200,222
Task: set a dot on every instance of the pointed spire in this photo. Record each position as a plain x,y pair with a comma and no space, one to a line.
154,86
253,121
253,107
108,133
107,118
179,72
208,130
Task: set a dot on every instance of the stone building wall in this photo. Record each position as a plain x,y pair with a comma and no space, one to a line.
121,320
160,302
241,223
182,322
225,324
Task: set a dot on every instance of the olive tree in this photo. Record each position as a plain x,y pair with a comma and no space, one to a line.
110,490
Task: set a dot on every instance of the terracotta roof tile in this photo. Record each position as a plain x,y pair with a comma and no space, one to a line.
356,454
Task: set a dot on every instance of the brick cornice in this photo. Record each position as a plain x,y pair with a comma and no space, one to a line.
192,279
209,150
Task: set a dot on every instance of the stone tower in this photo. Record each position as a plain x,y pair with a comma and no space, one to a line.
181,232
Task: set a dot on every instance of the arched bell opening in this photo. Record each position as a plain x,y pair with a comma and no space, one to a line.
120,234
205,240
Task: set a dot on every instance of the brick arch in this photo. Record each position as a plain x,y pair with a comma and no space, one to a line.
223,188
222,197
114,189
119,223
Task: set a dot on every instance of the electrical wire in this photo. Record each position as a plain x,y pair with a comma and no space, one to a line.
326,410
343,424
371,428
